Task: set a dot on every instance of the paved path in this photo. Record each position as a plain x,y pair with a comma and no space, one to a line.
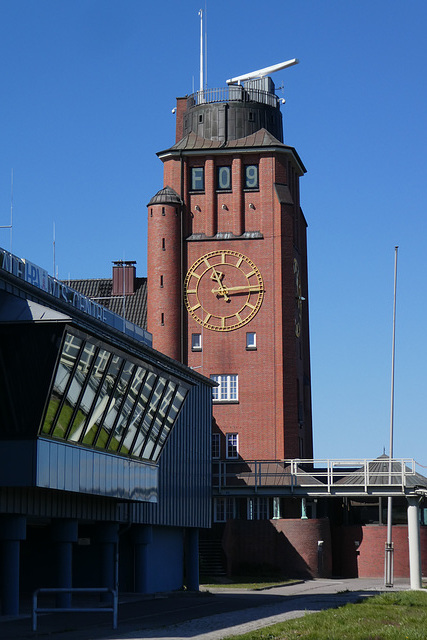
197,616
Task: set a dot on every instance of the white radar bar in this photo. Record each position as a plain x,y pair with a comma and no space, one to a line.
263,72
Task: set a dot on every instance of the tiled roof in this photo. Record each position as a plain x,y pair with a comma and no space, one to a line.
167,195
134,306
261,138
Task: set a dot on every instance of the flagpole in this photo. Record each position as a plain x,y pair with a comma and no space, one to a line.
389,550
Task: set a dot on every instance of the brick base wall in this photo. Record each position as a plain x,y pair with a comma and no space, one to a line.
359,551
289,546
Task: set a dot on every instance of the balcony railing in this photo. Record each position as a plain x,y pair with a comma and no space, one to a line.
318,476
235,93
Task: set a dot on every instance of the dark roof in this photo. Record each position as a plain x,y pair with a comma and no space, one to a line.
167,195
261,138
379,470
134,306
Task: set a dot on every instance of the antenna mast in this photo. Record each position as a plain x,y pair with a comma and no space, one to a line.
201,50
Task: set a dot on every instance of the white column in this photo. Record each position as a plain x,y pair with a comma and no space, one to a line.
414,543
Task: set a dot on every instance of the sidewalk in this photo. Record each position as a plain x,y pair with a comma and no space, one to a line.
207,615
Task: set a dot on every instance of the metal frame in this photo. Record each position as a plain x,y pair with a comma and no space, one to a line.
36,610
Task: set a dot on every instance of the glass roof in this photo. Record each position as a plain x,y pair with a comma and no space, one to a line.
106,399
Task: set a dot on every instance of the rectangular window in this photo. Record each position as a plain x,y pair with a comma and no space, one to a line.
251,176
216,446
232,446
251,341
197,179
223,182
196,342
227,391
258,509
224,509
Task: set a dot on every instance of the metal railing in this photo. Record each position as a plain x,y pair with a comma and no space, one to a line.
321,476
232,94
113,609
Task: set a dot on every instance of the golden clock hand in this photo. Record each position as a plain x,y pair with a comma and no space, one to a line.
253,287
218,276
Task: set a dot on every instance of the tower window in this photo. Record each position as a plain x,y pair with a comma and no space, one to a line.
200,118
251,176
196,342
197,179
232,445
162,319
251,341
251,116
223,179
163,244
151,213
163,211
161,281
227,391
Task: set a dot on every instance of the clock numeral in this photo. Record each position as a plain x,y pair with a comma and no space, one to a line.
248,304
196,306
223,258
239,262
208,316
191,290
207,263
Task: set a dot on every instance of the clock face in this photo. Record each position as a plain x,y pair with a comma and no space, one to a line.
223,290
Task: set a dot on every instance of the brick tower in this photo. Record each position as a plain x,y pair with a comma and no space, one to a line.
227,269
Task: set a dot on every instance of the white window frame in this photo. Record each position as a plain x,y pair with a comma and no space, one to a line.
232,446
196,342
224,509
228,389
258,508
251,341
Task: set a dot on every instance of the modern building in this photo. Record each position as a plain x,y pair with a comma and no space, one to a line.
105,452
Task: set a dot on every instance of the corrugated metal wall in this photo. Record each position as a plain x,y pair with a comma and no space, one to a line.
185,468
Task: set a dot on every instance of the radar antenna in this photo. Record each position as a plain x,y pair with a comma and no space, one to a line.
263,72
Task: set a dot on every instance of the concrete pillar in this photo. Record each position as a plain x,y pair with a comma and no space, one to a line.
142,537
414,543
107,536
64,533
12,531
192,559
303,508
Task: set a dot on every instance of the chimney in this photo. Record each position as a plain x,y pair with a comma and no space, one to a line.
124,277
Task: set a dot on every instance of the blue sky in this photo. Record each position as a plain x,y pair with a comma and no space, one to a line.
87,91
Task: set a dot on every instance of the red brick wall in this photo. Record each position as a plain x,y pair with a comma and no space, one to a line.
366,560
290,546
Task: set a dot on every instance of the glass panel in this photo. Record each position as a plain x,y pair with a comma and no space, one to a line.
101,405
138,413
159,421
69,354
116,402
170,420
79,426
149,416
126,410
74,390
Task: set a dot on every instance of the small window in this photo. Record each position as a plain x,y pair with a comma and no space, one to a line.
163,211
223,179
162,319
258,509
163,244
151,213
197,179
196,342
161,282
232,446
224,509
216,446
251,176
251,341
200,118
251,116
227,391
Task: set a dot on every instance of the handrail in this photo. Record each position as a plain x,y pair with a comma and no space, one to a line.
234,93
36,609
314,473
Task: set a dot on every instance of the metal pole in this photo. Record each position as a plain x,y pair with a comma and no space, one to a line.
389,551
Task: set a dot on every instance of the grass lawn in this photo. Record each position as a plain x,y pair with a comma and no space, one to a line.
248,582
388,616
